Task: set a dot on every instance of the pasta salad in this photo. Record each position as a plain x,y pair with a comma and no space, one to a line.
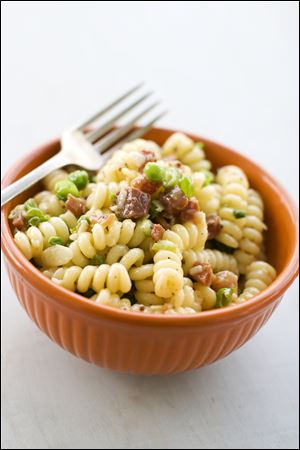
154,231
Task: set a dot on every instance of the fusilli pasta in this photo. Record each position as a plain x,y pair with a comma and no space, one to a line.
154,231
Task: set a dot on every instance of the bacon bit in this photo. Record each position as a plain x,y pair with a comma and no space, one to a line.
202,273
157,232
224,279
174,200
132,204
19,221
144,184
75,205
214,225
149,157
189,211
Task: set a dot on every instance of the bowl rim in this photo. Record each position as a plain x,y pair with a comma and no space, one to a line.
82,305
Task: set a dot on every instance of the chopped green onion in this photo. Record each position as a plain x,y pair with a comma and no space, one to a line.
155,208
154,172
239,214
146,227
164,245
97,260
222,247
55,240
224,296
81,218
186,185
80,178
171,178
35,212
209,178
30,203
34,221
65,187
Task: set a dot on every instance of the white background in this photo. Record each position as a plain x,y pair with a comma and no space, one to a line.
226,70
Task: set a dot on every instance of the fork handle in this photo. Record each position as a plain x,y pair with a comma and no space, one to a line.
11,191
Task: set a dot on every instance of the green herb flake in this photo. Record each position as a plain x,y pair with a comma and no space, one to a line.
239,214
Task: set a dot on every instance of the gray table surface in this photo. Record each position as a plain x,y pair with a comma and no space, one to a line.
226,71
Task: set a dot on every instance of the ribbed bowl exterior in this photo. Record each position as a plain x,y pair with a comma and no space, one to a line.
125,348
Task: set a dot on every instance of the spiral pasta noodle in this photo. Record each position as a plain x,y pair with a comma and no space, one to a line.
101,194
189,235
218,260
250,244
209,197
49,203
35,239
259,275
115,278
233,200
186,151
167,271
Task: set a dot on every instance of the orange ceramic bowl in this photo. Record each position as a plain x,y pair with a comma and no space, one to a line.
154,344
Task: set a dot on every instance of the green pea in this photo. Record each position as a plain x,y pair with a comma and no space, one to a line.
80,178
55,240
239,214
224,296
65,187
30,203
154,172
186,185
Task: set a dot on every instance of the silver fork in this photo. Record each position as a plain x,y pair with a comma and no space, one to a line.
86,149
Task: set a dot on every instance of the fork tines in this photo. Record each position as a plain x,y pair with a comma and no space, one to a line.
106,135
